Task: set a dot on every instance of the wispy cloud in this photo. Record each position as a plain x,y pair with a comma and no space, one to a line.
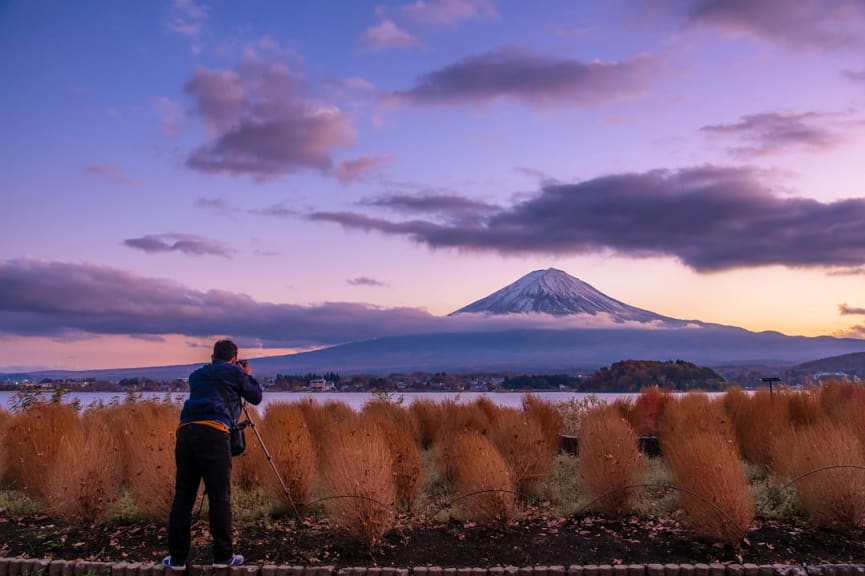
189,244
531,78
279,210
100,300
387,34
187,19
110,173
365,281
854,75
774,132
710,218
211,203
359,168
820,24
445,207
449,12
259,124
846,310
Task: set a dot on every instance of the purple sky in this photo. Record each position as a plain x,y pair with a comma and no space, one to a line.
308,173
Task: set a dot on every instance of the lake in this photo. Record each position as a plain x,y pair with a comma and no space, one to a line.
354,399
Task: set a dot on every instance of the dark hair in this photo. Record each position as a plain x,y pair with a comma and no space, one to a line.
224,350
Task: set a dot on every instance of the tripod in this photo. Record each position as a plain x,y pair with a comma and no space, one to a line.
248,423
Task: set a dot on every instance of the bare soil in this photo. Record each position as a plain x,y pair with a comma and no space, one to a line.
534,541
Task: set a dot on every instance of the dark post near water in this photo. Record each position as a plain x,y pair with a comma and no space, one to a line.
771,380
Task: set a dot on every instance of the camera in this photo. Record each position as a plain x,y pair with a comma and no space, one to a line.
243,362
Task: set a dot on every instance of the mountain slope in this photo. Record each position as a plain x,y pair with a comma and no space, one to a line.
555,292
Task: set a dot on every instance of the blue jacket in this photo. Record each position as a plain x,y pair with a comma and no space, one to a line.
205,401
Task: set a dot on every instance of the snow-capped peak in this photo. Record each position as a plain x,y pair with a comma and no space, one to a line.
555,292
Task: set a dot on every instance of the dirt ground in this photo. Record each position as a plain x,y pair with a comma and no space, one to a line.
537,541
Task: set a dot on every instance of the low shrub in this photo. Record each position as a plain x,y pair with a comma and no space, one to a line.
357,480
759,421
429,416
33,440
714,490
87,478
286,436
610,460
148,431
692,414
647,409
407,465
832,497
520,439
481,480
548,418
573,411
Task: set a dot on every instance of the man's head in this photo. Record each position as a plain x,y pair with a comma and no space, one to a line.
225,350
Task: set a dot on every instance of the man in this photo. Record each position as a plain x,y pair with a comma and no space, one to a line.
203,451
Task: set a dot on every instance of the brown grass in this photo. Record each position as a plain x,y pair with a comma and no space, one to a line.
844,403
286,436
715,493
692,414
759,421
833,498
481,480
320,419
429,415
33,441
521,442
148,430
805,407
4,422
357,477
610,460
395,424
87,477
548,418
456,421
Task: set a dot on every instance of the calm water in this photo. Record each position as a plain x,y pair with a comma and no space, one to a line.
354,399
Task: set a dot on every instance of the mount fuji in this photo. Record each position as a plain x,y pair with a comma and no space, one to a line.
557,293
546,321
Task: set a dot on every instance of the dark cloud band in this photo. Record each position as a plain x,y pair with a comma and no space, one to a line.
709,218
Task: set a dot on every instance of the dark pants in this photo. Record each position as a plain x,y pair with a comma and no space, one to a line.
201,452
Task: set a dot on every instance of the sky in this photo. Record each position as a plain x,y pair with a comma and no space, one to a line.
298,174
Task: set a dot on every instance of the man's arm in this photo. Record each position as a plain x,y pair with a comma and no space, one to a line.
249,388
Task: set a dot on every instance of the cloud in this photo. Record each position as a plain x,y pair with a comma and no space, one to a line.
709,218
532,79
820,24
447,207
365,281
854,75
846,310
259,126
211,203
775,132
100,300
279,210
175,242
357,169
187,19
109,173
386,34
449,12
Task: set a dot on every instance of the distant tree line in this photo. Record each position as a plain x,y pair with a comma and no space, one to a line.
632,375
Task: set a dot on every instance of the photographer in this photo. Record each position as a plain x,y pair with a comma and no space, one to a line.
203,452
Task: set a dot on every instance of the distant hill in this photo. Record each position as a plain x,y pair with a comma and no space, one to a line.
632,375
851,364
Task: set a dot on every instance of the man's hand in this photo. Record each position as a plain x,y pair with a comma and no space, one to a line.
245,365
